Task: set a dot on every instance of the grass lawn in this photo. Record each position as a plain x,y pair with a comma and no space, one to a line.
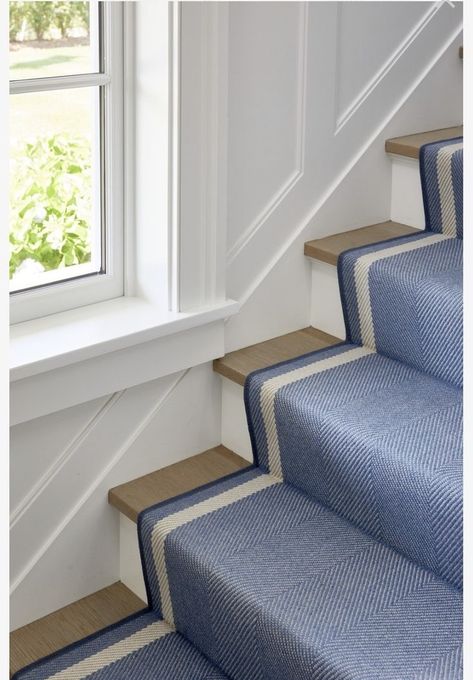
49,112
45,58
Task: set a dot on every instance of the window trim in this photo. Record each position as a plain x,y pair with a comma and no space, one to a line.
85,353
78,292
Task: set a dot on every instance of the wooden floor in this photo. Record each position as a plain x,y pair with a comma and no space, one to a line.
237,365
329,248
71,623
134,496
409,145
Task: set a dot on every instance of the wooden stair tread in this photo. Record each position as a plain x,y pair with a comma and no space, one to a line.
237,365
329,248
71,623
409,145
132,497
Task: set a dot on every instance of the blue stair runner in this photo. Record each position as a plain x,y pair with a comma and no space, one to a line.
337,556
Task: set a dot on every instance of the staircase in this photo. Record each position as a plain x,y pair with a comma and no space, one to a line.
234,455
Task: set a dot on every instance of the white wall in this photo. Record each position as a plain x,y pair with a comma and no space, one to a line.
313,91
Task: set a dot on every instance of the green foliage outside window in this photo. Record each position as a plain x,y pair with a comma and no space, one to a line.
42,17
64,13
51,190
17,18
51,193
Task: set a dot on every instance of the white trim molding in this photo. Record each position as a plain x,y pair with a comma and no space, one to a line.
299,148
54,369
48,476
174,194
149,106
202,153
342,117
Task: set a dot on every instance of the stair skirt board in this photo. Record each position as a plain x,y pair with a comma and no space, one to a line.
338,553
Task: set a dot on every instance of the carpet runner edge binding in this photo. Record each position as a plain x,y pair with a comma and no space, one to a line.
338,554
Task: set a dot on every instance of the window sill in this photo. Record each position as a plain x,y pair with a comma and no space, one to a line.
71,357
61,339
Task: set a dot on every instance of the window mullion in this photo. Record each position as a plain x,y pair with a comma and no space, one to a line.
58,83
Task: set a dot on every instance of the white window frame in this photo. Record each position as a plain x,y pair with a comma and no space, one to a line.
77,292
171,315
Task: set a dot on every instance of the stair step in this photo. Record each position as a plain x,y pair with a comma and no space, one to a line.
409,145
71,623
132,497
329,248
237,365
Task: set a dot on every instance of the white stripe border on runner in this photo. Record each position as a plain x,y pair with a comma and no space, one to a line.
119,650
362,270
445,185
165,526
270,388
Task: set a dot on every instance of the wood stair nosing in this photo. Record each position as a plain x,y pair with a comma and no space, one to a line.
69,624
409,145
237,365
134,496
329,248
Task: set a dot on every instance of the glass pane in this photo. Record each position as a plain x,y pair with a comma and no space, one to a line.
53,38
54,186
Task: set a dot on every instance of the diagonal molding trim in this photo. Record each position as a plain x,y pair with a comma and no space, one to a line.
280,194
48,476
276,200
385,69
141,427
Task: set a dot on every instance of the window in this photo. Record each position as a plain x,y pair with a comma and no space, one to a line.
66,155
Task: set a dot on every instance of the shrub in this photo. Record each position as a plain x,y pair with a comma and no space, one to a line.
81,11
40,17
51,203
17,17
64,16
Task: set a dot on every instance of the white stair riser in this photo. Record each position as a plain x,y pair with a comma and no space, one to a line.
326,307
406,193
235,434
131,572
